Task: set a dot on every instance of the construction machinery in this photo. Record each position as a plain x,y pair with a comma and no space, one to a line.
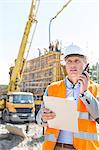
39,72
19,106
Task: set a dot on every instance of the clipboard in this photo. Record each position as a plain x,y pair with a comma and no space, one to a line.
66,113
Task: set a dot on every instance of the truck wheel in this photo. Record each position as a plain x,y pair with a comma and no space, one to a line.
6,116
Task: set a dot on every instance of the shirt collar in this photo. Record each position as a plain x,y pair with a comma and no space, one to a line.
70,85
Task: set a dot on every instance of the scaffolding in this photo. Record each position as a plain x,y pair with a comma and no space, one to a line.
40,72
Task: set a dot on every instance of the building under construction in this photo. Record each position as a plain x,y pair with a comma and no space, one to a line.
40,72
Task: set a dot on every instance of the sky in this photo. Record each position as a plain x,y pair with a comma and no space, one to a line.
78,23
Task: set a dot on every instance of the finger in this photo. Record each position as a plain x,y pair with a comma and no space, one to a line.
46,110
82,80
49,117
48,114
86,74
83,77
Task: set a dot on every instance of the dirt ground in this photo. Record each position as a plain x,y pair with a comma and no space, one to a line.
9,141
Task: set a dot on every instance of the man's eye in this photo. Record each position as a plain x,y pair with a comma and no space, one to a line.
77,61
69,61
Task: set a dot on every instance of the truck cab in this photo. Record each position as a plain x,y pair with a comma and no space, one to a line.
19,107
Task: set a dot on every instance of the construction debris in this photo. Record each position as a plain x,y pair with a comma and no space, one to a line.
20,140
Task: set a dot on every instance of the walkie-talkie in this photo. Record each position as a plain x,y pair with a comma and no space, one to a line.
86,69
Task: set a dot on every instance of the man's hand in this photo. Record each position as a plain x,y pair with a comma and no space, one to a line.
83,80
47,114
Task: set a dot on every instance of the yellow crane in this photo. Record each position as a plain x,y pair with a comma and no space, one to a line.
19,63
20,105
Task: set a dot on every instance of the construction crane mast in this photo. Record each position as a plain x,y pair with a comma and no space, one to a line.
20,61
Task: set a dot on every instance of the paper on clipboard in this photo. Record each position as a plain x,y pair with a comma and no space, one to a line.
66,113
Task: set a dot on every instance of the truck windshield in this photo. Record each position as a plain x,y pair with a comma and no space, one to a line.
23,99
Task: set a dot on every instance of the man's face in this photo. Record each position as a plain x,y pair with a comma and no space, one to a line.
74,66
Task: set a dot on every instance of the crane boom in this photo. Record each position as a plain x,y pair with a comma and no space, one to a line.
20,57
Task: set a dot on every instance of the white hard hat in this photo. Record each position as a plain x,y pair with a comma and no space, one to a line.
73,50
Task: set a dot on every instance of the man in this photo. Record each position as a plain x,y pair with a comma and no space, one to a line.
84,91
